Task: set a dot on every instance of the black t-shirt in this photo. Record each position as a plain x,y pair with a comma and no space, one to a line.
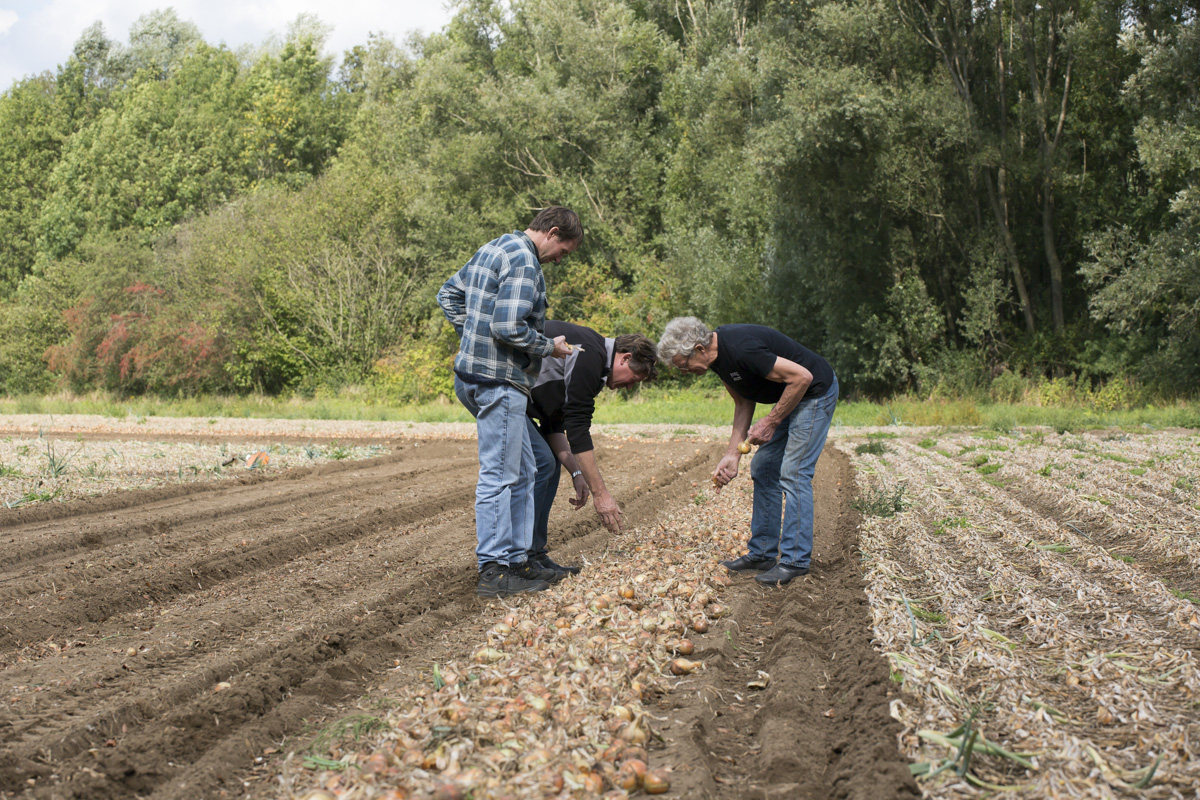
746,355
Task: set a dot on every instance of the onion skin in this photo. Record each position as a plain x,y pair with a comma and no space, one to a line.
655,781
681,666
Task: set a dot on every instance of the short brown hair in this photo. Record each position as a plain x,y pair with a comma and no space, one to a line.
644,362
566,220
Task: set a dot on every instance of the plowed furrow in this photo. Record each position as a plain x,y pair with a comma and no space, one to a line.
95,534
111,684
151,580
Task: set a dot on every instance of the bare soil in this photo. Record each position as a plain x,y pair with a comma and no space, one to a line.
157,643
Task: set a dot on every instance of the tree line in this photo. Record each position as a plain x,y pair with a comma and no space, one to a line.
937,195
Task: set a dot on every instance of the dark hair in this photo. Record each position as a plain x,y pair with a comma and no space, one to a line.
566,220
644,362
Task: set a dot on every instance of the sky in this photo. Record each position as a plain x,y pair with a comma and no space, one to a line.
36,36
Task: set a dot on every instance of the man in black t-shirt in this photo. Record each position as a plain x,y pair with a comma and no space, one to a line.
563,401
760,365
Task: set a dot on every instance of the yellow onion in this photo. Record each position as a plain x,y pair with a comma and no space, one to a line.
685,647
681,666
633,752
633,733
593,783
700,624
488,655
625,779
655,781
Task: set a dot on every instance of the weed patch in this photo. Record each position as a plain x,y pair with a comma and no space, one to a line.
880,502
873,447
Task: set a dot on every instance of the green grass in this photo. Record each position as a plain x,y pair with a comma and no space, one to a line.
701,403
1185,595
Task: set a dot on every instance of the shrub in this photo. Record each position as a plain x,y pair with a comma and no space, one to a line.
421,370
1008,387
1118,394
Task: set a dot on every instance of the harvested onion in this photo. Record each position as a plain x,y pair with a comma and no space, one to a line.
681,666
655,781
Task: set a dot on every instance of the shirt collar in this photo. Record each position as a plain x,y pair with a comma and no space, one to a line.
528,243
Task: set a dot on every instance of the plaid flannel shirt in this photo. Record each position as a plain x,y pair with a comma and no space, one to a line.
497,304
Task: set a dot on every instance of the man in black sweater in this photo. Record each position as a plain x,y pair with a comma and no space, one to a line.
758,364
563,401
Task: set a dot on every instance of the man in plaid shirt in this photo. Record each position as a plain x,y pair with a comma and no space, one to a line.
497,304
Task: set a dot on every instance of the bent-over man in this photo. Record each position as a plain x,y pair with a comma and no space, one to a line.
564,401
497,303
758,364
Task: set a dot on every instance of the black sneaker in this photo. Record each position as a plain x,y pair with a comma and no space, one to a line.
533,571
497,580
748,564
544,560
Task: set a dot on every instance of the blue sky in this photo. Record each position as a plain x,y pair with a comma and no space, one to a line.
38,36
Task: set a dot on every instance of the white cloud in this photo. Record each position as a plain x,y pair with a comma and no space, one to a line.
47,29
7,20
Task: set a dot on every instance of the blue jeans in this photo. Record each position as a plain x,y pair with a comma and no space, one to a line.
783,470
545,489
504,494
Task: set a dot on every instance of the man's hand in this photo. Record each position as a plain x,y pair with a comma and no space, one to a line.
581,492
609,511
761,431
727,470
561,348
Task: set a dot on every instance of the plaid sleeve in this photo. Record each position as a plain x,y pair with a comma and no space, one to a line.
452,297
516,297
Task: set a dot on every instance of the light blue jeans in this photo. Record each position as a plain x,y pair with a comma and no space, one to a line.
783,470
504,494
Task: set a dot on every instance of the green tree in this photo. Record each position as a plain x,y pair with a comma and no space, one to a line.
1145,274
165,150
33,126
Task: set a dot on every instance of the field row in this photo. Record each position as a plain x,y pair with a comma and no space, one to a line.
1035,655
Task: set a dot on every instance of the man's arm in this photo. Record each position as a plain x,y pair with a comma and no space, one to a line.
562,449
452,298
606,506
797,379
743,413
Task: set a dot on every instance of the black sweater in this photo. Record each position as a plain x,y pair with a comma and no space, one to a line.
564,394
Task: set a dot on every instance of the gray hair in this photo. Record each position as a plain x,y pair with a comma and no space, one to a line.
681,336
